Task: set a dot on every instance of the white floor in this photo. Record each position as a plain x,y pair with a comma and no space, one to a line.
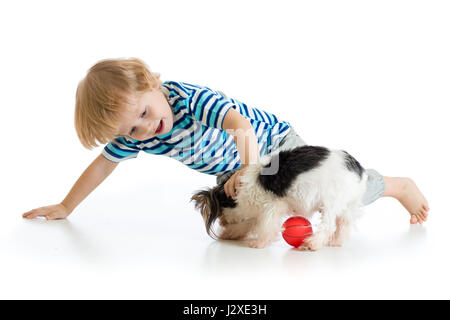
125,250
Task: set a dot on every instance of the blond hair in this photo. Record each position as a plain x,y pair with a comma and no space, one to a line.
102,94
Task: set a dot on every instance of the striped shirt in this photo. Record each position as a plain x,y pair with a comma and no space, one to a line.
197,138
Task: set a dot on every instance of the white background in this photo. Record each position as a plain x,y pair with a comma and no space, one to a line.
370,77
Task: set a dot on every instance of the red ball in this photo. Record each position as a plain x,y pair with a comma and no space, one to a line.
296,230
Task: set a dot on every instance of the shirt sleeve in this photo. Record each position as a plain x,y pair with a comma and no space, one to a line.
119,150
209,106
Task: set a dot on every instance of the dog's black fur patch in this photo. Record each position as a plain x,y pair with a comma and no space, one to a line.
224,201
292,163
353,165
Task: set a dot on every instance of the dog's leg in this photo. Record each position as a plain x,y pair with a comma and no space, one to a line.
345,222
341,233
324,233
267,226
236,231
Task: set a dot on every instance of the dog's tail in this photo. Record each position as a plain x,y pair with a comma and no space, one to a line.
209,203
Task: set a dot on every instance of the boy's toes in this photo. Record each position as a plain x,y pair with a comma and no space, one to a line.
420,215
416,219
424,215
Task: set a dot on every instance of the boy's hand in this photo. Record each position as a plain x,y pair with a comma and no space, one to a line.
231,187
57,211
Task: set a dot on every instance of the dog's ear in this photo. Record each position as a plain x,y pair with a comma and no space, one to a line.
207,202
202,200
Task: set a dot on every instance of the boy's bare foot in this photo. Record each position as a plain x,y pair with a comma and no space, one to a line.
409,195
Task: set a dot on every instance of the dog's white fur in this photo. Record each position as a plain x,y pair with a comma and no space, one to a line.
330,189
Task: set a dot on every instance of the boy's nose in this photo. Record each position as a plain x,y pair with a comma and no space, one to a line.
151,126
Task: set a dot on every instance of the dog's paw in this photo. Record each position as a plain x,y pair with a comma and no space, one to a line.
225,236
257,243
337,240
311,244
334,243
228,235
303,247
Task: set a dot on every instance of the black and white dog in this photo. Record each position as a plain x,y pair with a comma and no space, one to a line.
309,179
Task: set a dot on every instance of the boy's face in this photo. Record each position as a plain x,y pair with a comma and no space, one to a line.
148,115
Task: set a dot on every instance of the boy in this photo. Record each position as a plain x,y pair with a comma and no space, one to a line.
127,107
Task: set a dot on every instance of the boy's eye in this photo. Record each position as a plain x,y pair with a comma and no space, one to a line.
143,113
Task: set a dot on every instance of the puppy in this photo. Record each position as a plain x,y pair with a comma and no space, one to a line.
308,179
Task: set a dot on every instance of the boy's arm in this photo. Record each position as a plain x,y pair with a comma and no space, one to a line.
244,137
97,171
246,143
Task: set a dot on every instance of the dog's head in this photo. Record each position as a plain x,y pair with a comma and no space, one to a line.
211,202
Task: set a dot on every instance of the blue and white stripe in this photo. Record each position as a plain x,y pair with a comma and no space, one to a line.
197,138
